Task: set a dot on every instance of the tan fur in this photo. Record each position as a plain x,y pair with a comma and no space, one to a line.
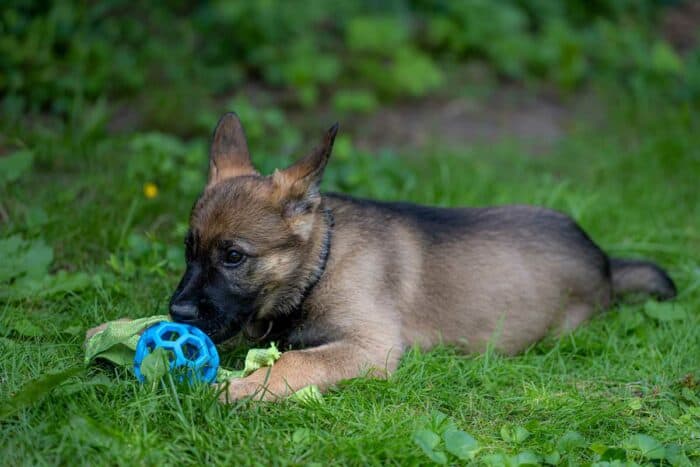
476,277
472,292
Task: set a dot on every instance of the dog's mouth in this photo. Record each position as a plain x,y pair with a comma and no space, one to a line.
207,312
223,333
218,325
218,330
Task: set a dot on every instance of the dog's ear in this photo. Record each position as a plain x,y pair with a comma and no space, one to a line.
229,155
298,185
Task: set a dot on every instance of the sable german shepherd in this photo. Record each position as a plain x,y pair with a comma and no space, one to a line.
348,284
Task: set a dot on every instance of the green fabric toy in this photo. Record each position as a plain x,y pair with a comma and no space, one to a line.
117,343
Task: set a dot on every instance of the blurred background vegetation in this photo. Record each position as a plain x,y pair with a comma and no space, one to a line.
177,64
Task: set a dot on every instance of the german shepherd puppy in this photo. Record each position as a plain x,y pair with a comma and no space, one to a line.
348,284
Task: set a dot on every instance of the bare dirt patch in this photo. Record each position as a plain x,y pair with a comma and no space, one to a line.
527,118
680,25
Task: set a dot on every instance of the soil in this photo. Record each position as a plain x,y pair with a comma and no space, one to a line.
510,114
681,25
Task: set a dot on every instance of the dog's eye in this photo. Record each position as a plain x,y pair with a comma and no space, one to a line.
233,258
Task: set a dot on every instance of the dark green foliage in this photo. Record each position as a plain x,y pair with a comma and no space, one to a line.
186,53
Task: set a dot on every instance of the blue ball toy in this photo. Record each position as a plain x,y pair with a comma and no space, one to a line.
187,348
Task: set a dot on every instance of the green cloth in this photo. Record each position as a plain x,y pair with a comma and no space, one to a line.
118,340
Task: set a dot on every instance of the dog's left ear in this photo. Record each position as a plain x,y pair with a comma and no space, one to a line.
229,156
298,185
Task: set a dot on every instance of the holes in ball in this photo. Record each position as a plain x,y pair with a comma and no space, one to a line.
190,351
170,336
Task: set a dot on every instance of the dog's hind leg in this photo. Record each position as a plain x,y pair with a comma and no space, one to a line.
575,314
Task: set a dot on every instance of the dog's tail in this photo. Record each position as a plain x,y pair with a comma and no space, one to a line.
638,276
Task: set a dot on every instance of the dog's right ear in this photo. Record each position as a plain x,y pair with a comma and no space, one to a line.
229,156
297,186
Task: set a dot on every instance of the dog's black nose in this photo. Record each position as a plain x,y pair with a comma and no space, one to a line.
183,311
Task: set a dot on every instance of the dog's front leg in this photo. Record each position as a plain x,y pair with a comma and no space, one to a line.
323,366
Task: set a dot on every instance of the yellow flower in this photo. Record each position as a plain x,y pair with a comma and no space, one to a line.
150,190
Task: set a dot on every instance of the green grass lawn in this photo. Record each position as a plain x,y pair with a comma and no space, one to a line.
624,386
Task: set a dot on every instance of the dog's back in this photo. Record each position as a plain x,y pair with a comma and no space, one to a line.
472,275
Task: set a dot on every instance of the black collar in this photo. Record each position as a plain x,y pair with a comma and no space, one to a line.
323,259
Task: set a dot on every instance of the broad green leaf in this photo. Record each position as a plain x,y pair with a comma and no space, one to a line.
631,319
665,311
94,433
37,259
569,441
9,252
414,72
301,436
63,282
521,434
438,417
37,389
427,441
11,244
47,286
664,59
526,458
689,395
26,264
552,458
676,457
8,345
441,422
614,454
25,327
353,101
72,330
35,217
258,358
461,444
648,446
516,434
376,34
496,460
598,448
223,374
72,388
15,165
155,365
635,403
615,464
307,395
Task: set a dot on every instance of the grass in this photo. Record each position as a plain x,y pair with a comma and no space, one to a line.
632,183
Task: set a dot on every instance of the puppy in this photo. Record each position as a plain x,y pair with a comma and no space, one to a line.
346,285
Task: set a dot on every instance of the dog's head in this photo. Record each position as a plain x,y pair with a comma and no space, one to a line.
254,241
